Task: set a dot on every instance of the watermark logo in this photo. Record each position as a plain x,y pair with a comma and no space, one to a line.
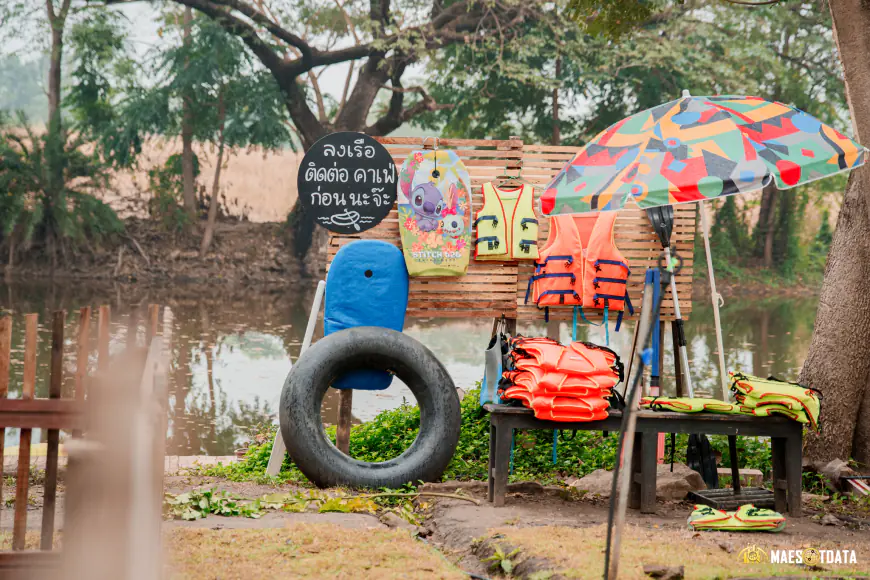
811,557
752,554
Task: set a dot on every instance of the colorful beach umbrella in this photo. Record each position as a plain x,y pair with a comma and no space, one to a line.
691,150
698,148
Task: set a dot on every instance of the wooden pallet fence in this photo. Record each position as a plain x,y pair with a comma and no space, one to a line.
52,415
493,289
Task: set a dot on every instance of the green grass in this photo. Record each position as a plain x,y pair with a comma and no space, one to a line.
393,431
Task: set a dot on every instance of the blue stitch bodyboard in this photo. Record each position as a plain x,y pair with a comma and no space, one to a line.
367,285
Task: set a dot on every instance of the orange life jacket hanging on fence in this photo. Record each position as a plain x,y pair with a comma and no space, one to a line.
580,265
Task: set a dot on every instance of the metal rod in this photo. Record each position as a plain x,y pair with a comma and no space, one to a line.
723,374
278,447
682,350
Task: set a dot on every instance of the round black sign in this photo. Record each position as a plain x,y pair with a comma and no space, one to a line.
348,182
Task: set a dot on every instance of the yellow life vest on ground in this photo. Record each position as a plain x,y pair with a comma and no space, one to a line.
507,228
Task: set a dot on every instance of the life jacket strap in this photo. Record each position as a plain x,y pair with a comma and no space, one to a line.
596,285
560,293
487,217
598,264
553,275
628,307
568,259
526,245
491,241
524,223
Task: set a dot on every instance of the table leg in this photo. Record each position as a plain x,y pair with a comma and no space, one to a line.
735,465
778,457
490,473
793,473
648,467
635,473
502,460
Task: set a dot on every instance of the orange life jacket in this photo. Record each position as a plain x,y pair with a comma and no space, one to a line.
559,408
580,265
578,358
561,383
542,382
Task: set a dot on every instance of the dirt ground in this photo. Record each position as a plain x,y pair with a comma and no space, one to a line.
549,534
542,532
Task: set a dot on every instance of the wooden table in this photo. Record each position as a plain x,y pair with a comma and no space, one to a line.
786,446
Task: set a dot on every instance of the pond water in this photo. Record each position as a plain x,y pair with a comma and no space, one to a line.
232,349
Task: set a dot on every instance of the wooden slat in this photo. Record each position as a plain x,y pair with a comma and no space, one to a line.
42,413
83,345
481,292
103,337
28,386
53,435
5,347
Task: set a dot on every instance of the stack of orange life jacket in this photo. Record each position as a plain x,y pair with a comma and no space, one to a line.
561,383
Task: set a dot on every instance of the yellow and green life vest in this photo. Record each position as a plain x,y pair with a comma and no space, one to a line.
688,405
770,396
747,518
507,228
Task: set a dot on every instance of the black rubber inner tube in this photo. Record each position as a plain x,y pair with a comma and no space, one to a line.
369,347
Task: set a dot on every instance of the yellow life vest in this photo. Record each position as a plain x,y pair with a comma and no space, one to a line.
507,228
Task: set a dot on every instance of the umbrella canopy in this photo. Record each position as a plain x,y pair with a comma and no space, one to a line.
697,148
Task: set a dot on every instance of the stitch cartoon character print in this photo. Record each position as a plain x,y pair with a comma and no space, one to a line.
434,206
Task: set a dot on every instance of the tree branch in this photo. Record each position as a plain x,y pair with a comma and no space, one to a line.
396,115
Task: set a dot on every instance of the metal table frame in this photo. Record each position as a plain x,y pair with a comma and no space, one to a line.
786,447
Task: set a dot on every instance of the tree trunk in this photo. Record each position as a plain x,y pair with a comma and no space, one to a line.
187,170
557,130
838,362
208,234
54,145
10,263
765,230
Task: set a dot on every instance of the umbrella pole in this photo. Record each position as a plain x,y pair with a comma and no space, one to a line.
705,227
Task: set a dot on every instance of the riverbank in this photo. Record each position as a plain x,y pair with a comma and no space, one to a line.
242,253
246,253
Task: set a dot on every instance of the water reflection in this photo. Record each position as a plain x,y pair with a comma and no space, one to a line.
231,349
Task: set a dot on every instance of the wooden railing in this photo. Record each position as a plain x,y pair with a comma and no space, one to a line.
76,414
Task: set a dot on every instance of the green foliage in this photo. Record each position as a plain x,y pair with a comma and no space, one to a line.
609,18
166,186
49,180
818,253
501,560
198,504
253,466
102,73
